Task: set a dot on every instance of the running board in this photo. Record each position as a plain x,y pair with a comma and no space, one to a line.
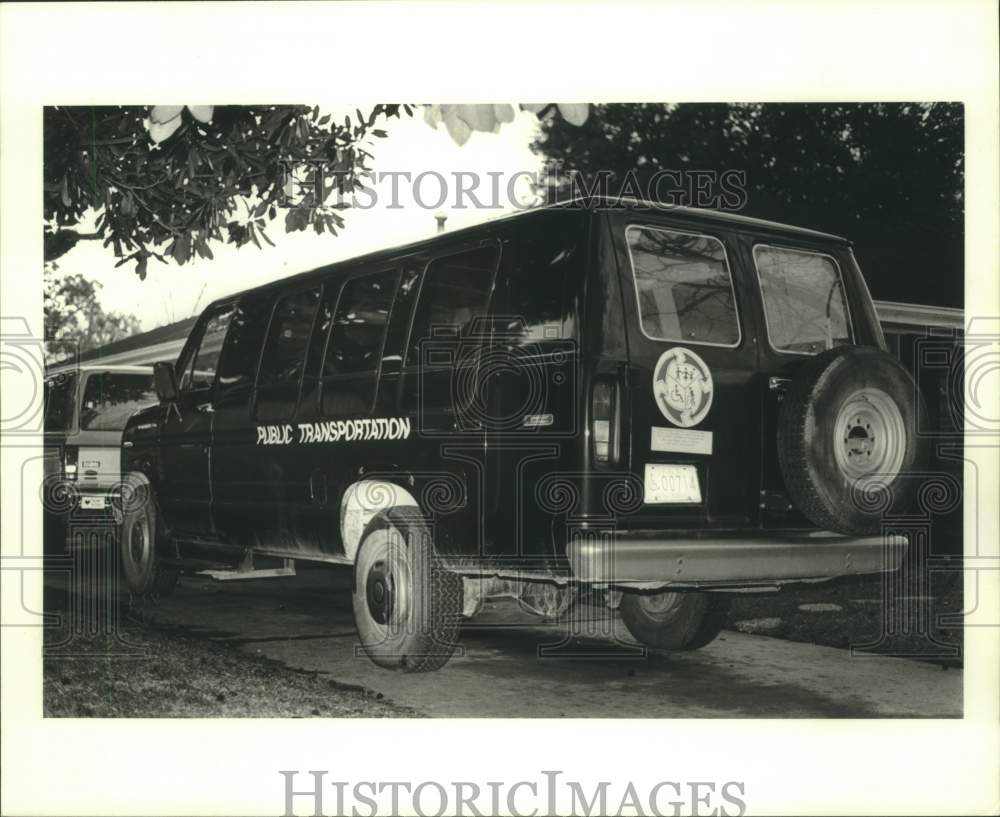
246,570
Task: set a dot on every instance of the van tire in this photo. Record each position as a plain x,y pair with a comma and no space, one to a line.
847,442
674,621
139,538
407,605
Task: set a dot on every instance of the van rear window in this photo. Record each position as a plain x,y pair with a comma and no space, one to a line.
683,286
803,299
110,398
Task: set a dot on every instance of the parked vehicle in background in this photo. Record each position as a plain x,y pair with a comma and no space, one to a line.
86,408
663,403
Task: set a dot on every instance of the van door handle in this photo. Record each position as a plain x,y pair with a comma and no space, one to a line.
205,408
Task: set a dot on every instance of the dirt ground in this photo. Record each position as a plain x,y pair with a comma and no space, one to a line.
285,648
918,616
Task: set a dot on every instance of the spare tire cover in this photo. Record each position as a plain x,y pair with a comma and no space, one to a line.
848,446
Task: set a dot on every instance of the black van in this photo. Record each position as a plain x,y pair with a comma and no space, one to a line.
661,402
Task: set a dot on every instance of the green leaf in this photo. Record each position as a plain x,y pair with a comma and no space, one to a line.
182,249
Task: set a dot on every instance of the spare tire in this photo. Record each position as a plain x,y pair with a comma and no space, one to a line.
847,442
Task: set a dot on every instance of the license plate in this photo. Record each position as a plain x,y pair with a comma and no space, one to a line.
92,503
672,483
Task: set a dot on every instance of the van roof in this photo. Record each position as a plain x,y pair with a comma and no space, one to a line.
720,217
693,215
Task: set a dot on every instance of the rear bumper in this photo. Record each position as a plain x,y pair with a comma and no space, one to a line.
730,559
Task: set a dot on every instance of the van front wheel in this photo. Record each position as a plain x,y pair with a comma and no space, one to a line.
674,621
407,606
138,539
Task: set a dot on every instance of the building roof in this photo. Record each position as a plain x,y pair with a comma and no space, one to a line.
918,318
136,349
97,367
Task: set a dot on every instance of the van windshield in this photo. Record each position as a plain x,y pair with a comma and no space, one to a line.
110,398
60,401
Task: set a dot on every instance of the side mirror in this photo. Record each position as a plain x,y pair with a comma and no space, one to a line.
165,382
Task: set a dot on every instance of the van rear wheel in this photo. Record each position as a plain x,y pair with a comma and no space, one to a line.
407,606
138,540
674,621
848,446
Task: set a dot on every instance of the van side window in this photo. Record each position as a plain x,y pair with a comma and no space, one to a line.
455,291
359,324
804,300
199,372
354,352
287,338
243,345
683,286
540,302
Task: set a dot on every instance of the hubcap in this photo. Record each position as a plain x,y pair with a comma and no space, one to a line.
869,435
660,605
380,593
138,541
387,581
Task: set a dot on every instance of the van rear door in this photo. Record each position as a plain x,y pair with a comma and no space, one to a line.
690,410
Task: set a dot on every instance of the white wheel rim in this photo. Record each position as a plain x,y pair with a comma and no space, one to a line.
659,606
869,436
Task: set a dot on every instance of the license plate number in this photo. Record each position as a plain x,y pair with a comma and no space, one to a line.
672,483
92,503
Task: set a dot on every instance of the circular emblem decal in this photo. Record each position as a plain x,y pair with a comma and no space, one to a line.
682,387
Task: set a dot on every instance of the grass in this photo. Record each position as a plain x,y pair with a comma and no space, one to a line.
150,674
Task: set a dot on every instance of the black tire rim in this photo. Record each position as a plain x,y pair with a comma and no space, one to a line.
138,542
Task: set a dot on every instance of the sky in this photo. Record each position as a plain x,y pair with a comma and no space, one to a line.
172,292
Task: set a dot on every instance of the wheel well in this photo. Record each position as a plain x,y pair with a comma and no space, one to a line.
362,501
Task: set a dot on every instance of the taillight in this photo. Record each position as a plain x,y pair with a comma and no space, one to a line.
604,421
71,456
